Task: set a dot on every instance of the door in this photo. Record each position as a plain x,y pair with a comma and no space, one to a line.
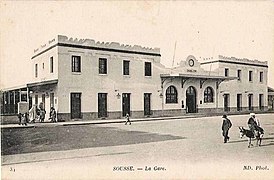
250,102
239,102
261,101
102,105
191,100
226,102
126,103
147,110
75,104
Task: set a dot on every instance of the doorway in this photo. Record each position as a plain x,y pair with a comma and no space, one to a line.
126,103
191,102
226,103
102,105
147,106
75,105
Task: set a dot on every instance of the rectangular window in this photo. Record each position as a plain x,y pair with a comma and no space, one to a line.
250,75
261,101
125,67
76,63
36,99
51,64
239,74
43,65
36,70
226,72
261,76
102,66
147,68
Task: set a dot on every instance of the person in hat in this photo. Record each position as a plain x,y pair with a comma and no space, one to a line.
254,124
225,127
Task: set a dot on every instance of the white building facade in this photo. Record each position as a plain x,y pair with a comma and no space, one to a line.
84,79
249,91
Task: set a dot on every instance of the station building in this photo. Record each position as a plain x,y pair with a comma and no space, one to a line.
84,79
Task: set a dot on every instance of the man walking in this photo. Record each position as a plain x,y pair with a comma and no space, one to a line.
225,127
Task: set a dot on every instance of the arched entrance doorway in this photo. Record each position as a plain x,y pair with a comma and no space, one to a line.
191,100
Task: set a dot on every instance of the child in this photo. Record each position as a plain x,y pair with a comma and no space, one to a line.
127,118
19,118
25,119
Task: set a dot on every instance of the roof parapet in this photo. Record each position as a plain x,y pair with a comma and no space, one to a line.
98,44
232,59
255,61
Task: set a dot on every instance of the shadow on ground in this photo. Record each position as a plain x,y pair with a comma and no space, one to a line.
27,140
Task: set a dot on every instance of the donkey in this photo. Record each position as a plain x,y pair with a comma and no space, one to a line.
258,135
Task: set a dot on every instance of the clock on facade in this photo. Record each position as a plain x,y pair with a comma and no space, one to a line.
191,62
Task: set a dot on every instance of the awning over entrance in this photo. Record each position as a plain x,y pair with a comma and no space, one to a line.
201,78
42,83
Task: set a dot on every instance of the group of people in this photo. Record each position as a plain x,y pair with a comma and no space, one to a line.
36,114
253,124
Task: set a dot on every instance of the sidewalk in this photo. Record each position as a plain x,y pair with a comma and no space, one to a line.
107,121
99,121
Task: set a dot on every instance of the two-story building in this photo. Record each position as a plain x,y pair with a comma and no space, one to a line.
249,91
84,79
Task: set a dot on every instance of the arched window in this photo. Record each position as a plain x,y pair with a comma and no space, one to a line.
208,95
171,95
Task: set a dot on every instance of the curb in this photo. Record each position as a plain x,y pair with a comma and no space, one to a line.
71,123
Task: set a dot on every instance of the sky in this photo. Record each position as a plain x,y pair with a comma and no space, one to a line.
242,29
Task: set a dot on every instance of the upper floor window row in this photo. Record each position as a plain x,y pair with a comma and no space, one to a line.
250,75
43,67
103,66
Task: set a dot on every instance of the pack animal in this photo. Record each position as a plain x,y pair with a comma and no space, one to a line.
249,134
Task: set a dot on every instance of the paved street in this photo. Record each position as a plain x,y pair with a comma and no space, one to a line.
188,148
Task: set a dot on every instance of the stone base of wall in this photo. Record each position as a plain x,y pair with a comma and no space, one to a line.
118,115
9,119
12,119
